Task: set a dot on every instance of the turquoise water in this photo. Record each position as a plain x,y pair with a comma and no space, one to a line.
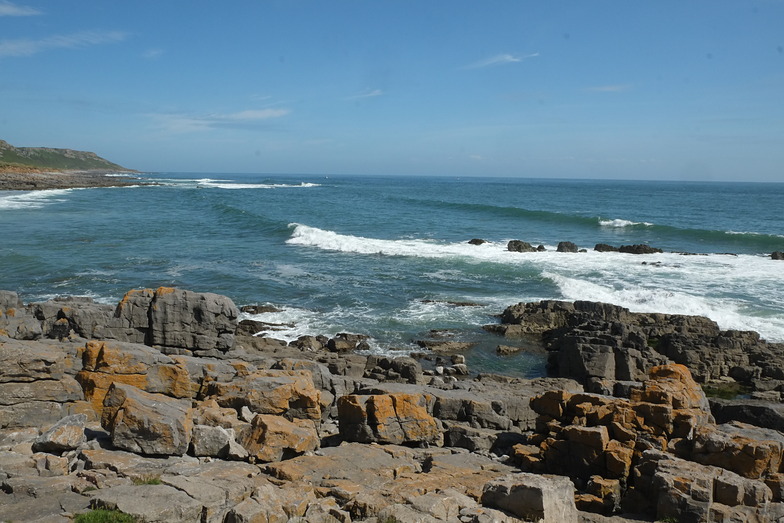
384,255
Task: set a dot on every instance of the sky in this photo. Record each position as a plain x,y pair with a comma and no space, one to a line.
614,89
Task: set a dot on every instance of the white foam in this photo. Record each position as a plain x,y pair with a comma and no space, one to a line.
228,184
734,291
32,199
618,223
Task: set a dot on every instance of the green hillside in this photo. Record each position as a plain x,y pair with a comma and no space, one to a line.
53,159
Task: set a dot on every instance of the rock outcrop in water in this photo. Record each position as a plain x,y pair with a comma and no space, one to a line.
157,409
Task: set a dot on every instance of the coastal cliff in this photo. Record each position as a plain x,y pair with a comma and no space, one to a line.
33,168
165,408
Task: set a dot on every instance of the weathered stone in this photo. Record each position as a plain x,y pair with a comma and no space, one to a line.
749,451
519,246
566,247
150,503
682,489
549,499
273,438
66,434
146,423
388,418
277,392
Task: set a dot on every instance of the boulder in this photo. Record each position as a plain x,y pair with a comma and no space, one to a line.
476,241
388,418
67,434
15,321
146,423
639,249
278,392
274,438
749,451
603,247
549,499
519,246
777,255
567,247
190,320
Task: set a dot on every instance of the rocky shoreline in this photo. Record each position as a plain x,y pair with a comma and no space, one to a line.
36,180
166,408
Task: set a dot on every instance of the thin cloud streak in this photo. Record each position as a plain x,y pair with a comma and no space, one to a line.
183,123
370,94
611,88
28,47
11,9
500,59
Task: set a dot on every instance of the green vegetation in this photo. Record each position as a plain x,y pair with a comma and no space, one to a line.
147,480
725,391
104,516
53,159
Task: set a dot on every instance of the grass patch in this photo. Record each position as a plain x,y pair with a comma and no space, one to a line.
725,391
146,480
100,515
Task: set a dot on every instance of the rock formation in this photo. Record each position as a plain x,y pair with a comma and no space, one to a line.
156,408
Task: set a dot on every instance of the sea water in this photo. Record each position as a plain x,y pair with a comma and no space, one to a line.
389,256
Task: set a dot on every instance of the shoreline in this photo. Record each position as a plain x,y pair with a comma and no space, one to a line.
103,407
37,180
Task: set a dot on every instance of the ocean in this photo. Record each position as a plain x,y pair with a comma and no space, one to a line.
388,256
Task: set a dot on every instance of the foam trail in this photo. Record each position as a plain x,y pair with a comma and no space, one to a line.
618,223
227,184
32,200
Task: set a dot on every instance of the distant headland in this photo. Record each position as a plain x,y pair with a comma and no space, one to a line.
36,168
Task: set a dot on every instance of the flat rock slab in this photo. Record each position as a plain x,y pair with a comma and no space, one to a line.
150,503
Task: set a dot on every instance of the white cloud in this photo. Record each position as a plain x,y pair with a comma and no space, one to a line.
183,123
10,9
29,47
152,54
368,94
611,88
500,59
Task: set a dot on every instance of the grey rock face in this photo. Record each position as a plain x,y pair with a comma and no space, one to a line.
549,499
567,247
66,434
147,423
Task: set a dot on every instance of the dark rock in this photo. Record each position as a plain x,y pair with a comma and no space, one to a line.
766,414
346,342
477,241
259,309
639,249
541,248
777,255
519,246
567,247
603,247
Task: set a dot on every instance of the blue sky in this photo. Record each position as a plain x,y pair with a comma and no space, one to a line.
573,89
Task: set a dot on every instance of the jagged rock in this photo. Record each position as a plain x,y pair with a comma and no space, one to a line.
66,434
477,241
346,342
36,385
549,499
279,392
688,491
189,320
749,451
777,255
146,423
567,247
519,246
639,249
15,321
273,438
145,368
603,247
767,414
388,418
